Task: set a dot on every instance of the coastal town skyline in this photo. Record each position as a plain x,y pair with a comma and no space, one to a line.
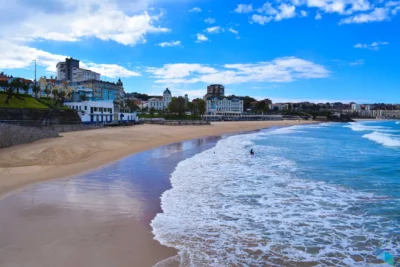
291,52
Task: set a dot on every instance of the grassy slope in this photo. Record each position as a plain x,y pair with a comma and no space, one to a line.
52,103
25,102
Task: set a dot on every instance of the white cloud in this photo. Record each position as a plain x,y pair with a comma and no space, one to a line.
172,43
74,20
14,56
260,19
287,12
303,13
372,46
216,29
284,69
283,11
110,70
267,9
356,62
242,8
209,20
195,9
201,38
354,11
233,31
378,14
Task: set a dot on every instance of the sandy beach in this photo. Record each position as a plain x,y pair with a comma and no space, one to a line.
101,217
77,152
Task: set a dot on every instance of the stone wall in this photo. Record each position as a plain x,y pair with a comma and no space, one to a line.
39,117
14,135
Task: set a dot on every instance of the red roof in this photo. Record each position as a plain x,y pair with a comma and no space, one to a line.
26,80
4,79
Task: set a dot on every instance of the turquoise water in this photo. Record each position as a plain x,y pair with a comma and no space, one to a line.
317,195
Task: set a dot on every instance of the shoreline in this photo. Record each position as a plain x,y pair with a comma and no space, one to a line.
79,152
155,185
99,218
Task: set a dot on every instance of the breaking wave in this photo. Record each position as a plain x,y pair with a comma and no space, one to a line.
227,208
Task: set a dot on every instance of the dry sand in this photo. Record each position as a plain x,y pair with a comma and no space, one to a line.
77,152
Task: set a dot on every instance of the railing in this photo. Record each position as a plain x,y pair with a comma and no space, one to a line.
178,123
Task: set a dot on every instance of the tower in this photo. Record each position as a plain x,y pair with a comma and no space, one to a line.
167,95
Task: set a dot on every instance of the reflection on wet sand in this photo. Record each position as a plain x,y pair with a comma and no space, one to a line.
100,218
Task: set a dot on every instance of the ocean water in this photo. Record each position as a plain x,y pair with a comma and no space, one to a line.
315,195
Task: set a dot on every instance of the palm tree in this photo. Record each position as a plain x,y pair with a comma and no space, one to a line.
12,86
17,84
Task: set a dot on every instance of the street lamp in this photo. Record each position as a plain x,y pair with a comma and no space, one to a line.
35,69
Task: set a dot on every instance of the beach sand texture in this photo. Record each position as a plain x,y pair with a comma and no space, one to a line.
77,152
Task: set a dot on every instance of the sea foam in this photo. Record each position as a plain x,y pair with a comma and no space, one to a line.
229,208
388,140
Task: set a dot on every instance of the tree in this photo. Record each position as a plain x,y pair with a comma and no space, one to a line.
12,86
132,105
172,106
47,91
55,93
25,87
180,105
190,107
17,84
61,98
36,90
261,105
152,111
200,106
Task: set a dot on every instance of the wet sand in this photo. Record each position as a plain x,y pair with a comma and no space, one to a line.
77,152
100,218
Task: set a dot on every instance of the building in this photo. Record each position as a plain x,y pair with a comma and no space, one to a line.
101,112
224,106
103,91
82,93
217,90
279,106
159,103
70,71
355,106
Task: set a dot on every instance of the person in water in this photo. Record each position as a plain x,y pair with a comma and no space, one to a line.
251,152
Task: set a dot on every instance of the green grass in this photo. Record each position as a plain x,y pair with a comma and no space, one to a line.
52,103
21,102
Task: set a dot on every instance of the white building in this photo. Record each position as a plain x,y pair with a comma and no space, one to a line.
100,112
355,106
80,75
224,106
160,103
279,106
70,71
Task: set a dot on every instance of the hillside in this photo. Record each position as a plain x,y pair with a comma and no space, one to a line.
22,101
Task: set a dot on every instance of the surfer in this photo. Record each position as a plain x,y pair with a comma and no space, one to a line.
251,152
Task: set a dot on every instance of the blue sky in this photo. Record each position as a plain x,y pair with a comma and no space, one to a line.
286,50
